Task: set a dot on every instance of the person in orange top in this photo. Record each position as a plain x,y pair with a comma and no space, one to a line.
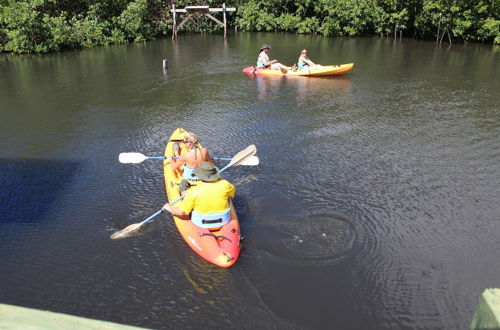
191,159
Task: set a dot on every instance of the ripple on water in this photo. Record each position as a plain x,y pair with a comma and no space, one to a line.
318,236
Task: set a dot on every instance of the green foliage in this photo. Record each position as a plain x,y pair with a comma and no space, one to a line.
287,22
26,30
133,21
38,26
475,20
347,18
254,17
308,25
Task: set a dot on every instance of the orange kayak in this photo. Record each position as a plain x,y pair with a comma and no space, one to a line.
220,246
320,70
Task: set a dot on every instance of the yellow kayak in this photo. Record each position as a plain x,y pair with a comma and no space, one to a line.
316,71
220,246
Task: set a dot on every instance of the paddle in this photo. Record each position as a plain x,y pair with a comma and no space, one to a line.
238,159
137,157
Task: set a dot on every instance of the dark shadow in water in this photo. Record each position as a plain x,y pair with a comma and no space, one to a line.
28,187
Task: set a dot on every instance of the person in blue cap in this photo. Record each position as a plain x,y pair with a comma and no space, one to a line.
263,61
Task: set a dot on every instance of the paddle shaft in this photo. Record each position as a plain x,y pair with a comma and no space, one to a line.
163,157
160,211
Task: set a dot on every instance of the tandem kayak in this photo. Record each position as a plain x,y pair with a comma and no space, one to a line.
220,246
321,70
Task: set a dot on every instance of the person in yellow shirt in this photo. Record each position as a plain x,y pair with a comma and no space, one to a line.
206,204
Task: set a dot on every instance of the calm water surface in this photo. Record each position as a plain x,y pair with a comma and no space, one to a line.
375,205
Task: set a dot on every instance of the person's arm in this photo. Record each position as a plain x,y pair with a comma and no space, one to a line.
176,163
271,62
176,211
231,190
207,156
265,62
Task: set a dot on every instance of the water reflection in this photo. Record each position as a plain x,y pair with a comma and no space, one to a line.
268,87
307,87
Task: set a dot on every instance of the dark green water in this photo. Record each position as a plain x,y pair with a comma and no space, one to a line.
375,205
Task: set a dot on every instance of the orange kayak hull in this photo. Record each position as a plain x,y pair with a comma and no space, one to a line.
220,247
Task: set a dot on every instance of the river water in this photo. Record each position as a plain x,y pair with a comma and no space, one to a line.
375,204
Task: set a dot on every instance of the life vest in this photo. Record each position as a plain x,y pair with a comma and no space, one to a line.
212,220
188,173
302,64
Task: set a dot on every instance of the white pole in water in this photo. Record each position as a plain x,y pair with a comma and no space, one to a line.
165,63
224,15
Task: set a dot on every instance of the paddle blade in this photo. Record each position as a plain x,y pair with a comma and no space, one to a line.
243,155
131,158
251,161
127,231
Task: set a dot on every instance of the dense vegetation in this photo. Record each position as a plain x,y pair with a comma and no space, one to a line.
50,25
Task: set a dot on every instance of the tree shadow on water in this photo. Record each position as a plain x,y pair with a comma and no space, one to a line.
29,187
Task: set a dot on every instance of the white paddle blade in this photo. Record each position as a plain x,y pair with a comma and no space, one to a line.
252,161
243,155
131,158
127,231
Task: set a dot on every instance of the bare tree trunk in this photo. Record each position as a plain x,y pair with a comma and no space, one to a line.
442,36
437,35
449,37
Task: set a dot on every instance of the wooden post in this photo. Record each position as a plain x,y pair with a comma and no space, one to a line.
224,16
201,10
174,29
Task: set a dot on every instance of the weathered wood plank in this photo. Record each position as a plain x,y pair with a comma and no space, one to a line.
214,19
487,314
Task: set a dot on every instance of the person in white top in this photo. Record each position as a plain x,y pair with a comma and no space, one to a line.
263,61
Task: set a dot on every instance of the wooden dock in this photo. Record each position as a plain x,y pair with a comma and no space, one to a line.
192,11
22,318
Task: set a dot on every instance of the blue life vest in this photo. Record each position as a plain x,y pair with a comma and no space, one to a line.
212,220
302,65
260,65
188,173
